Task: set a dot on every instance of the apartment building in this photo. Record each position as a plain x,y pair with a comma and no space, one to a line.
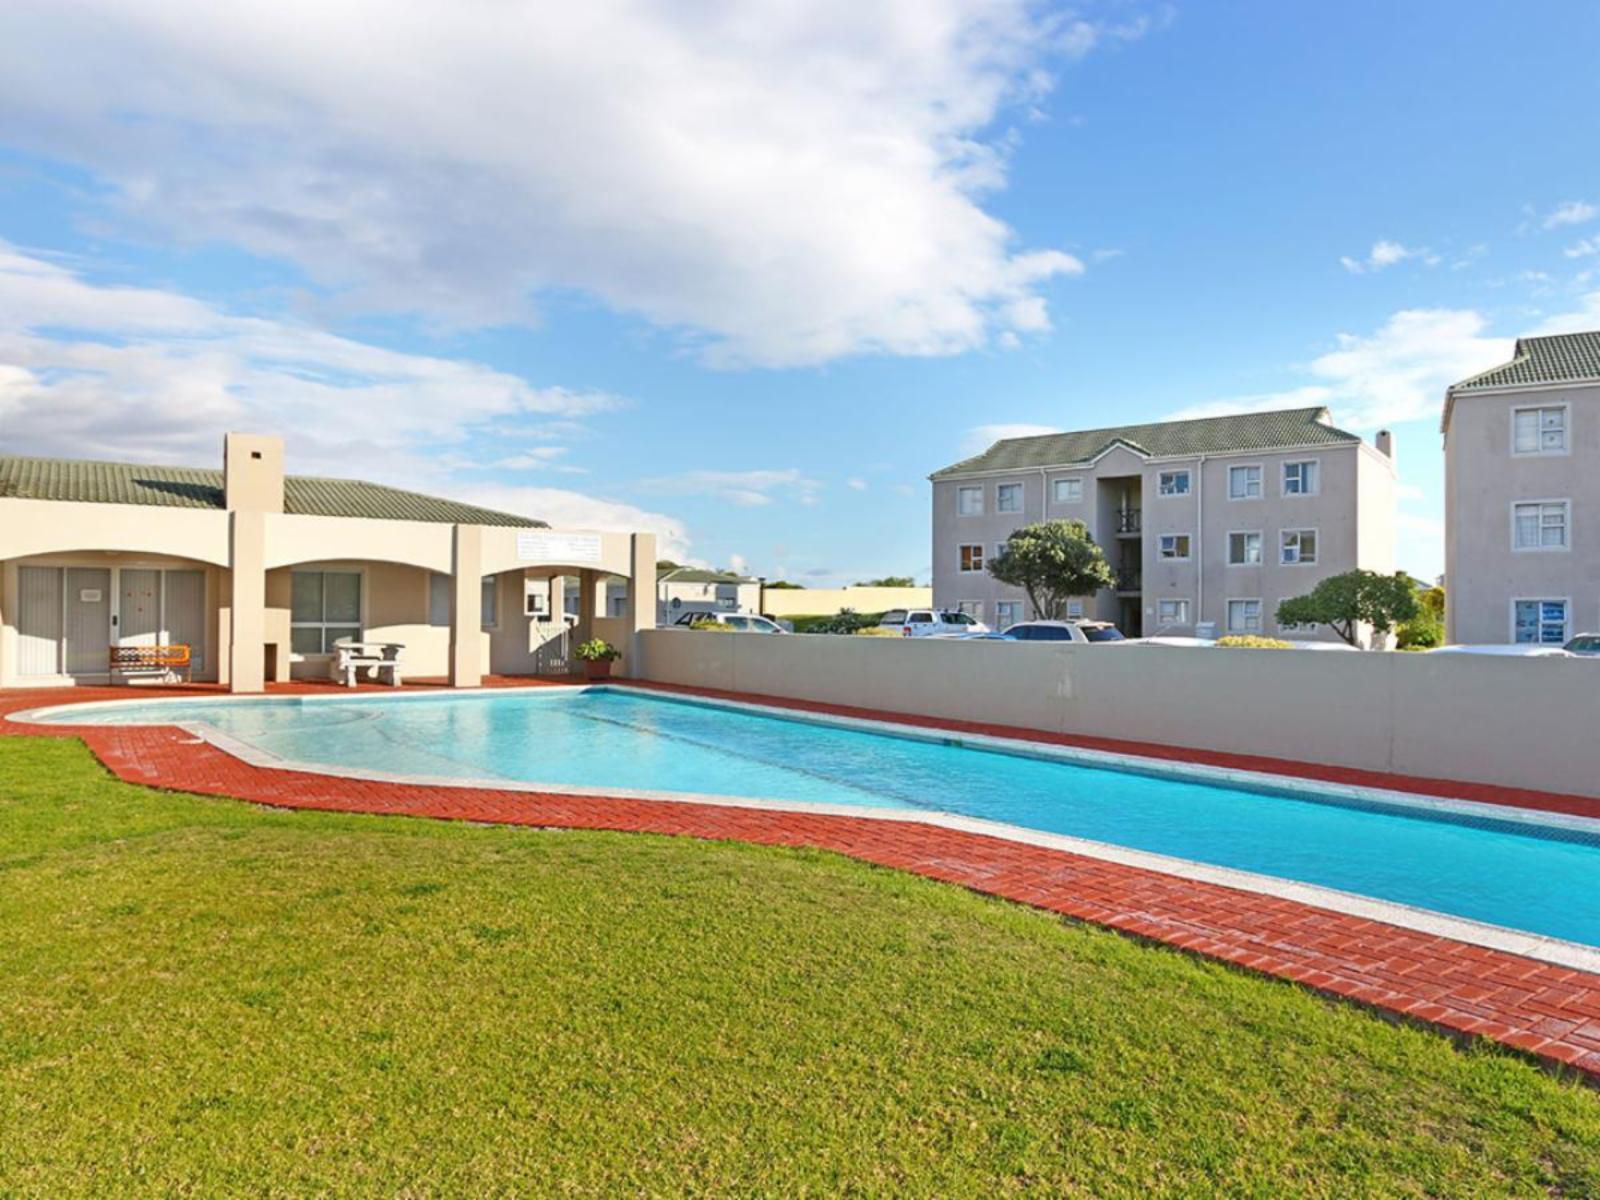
1522,495
1209,524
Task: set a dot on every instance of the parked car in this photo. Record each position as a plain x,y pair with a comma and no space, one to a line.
1083,632
1501,651
930,622
1585,645
741,622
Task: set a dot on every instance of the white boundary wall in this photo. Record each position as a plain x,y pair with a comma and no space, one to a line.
1528,723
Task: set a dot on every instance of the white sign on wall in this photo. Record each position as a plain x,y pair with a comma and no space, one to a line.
89,595
538,546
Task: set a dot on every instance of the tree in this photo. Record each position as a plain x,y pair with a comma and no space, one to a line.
1052,561
783,585
1346,602
887,581
1426,629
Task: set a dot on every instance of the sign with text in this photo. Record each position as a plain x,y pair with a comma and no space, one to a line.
558,547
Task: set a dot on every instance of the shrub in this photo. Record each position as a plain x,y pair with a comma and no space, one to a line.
711,627
876,631
1251,641
597,650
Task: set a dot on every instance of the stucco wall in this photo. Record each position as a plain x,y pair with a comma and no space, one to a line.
824,602
1439,716
1483,479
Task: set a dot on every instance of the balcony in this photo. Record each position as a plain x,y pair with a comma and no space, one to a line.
1128,521
1130,579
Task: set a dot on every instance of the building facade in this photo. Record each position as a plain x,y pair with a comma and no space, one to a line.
1522,496
259,573
1208,524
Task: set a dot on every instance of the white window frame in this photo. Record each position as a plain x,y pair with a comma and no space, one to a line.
360,573
973,608
1261,480
1184,611
1261,547
1006,614
1188,483
1056,485
1022,497
1261,614
1566,620
967,489
1300,560
1539,451
1283,477
1541,505
977,570
1074,609
1161,547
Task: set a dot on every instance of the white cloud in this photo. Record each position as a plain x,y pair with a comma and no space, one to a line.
856,485
575,510
1585,317
1583,248
738,564
783,183
980,437
1399,373
1573,212
1384,254
746,489
143,374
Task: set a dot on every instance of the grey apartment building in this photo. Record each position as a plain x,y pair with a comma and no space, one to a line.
1522,495
1208,523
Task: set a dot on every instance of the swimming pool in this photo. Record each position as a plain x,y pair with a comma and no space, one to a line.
1540,875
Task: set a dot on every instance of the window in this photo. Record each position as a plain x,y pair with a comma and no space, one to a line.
1301,478
1173,483
972,558
1007,613
1244,483
1172,612
1539,622
1244,549
1074,609
969,501
1539,430
439,602
1299,547
324,606
1539,525
1244,616
1175,546
1008,498
970,608
1069,491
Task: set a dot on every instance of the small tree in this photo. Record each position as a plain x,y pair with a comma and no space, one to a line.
887,581
1426,629
1052,561
1346,602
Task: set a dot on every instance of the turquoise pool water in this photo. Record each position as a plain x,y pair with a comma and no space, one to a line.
1536,878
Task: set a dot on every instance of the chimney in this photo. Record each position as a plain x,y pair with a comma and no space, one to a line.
1385,443
252,472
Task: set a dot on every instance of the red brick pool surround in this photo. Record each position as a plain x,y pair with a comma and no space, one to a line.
1468,991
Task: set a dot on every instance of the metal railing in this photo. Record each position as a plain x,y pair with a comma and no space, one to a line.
1128,520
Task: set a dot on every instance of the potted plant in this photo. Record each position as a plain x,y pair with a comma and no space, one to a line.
597,655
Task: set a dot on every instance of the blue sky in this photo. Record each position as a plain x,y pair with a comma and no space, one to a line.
745,274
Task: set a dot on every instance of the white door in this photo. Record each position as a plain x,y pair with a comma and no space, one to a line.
39,621
139,607
88,620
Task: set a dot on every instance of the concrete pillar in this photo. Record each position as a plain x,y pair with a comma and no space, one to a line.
247,617
466,607
641,614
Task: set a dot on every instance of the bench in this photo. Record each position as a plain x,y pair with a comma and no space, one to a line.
378,659
146,660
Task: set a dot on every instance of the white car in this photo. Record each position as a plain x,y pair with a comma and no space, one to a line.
739,622
931,622
1514,651
1082,632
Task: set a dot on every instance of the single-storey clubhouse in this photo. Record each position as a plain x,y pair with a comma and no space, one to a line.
259,574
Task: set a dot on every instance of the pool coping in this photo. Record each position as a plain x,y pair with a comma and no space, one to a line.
1507,939
1468,992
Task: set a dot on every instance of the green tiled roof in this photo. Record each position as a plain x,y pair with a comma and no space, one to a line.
697,575
1164,439
1555,358
71,479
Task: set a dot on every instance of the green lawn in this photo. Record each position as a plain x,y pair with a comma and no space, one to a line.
198,997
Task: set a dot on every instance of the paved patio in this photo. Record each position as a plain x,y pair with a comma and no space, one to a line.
1547,1011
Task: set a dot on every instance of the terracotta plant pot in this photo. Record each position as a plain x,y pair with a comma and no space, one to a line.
596,668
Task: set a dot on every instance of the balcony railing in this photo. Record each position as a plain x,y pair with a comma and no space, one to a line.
1130,579
1128,520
